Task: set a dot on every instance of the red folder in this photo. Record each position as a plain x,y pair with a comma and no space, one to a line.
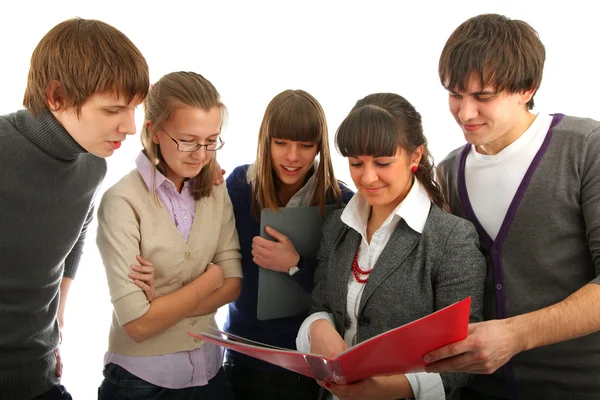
397,351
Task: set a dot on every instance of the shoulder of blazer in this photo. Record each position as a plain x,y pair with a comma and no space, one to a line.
333,226
442,226
440,222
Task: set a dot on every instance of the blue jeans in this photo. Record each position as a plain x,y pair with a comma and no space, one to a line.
56,393
120,384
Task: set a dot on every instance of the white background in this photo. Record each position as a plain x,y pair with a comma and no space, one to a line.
337,51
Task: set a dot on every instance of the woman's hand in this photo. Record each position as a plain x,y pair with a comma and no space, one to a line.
376,388
215,274
143,277
324,339
219,174
277,256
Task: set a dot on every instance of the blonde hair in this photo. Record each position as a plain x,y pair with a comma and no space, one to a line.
86,57
171,92
297,116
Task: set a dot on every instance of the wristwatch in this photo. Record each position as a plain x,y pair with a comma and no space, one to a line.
293,270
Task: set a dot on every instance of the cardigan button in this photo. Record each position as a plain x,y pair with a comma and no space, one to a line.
188,255
364,320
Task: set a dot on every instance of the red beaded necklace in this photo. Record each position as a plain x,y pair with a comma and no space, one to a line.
356,270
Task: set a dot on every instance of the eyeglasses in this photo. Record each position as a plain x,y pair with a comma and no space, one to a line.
190,147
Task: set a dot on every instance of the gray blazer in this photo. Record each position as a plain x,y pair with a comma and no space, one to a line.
415,275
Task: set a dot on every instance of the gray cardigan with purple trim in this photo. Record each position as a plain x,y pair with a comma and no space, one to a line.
547,248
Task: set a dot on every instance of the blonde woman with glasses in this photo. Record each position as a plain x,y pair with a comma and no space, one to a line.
170,248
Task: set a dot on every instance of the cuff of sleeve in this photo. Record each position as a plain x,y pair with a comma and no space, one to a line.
426,386
231,268
303,340
71,264
131,307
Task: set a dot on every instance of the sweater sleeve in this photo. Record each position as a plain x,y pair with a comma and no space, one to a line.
304,277
228,254
590,197
118,241
460,273
347,193
72,260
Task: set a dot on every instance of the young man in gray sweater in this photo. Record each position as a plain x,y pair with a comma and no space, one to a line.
85,80
531,185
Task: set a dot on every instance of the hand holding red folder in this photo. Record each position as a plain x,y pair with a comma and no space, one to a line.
325,340
400,350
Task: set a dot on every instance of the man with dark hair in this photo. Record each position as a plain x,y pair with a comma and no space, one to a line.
86,78
531,185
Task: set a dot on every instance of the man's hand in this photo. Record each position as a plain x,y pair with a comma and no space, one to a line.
143,277
277,256
488,346
59,365
65,285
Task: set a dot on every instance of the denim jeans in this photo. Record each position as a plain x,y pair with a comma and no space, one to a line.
250,384
120,384
56,393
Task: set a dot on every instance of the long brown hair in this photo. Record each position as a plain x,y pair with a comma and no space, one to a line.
173,91
380,123
297,116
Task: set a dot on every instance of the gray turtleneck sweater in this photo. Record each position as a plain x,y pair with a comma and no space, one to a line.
47,186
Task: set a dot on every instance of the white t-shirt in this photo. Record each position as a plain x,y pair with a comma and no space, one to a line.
493,180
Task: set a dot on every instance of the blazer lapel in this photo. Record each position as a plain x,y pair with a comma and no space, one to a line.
341,268
402,242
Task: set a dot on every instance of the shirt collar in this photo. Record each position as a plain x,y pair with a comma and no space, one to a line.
145,168
302,197
414,209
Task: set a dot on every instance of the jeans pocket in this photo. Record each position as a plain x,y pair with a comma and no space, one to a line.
127,386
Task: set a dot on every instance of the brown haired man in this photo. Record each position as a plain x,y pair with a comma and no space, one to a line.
531,185
85,80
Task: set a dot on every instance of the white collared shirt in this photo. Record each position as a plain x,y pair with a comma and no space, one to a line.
414,209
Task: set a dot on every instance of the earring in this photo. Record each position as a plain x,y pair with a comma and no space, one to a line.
414,168
156,160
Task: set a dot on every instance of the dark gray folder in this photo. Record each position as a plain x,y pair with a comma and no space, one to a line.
279,295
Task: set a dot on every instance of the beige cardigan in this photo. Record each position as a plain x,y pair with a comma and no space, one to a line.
130,223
